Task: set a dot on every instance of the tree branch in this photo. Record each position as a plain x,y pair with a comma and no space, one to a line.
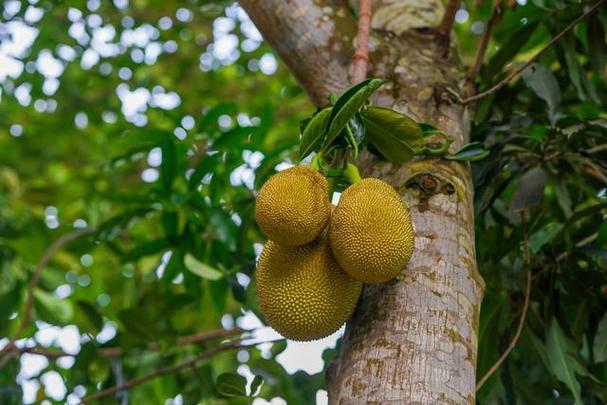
6,351
514,341
444,28
360,60
201,337
482,47
517,71
312,37
191,362
521,322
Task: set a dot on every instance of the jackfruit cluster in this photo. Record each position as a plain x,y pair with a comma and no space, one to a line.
311,270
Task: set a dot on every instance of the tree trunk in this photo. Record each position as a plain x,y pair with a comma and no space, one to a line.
413,340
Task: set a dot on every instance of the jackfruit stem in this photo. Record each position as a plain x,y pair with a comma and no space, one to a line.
351,173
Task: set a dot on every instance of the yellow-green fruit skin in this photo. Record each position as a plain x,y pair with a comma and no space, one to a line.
371,233
303,293
293,206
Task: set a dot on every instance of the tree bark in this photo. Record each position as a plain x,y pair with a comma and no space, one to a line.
413,340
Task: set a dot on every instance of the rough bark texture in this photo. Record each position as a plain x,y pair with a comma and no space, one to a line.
413,340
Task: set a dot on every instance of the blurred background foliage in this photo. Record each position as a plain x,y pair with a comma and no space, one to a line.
152,123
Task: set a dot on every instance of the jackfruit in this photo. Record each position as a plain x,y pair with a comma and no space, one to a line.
303,293
293,206
371,233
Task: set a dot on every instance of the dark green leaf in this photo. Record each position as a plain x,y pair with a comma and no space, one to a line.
358,128
256,385
98,370
207,165
599,347
391,147
530,191
596,44
471,152
91,314
543,83
507,51
146,249
398,125
170,223
201,269
278,347
231,385
136,321
312,136
562,364
428,129
7,230
212,115
168,168
347,105
53,309
543,236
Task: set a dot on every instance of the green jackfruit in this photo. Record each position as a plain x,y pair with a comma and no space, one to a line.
371,233
293,206
303,293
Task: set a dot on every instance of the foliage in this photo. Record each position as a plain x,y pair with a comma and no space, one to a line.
168,188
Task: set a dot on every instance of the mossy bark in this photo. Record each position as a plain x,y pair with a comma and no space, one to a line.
413,340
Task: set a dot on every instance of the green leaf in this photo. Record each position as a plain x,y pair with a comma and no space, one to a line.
98,370
212,115
358,128
543,236
596,44
92,315
471,152
507,51
311,137
399,125
542,82
231,385
256,385
168,168
391,132
562,363
428,129
170,223
201,269
574,70
529,191
347,105
137,322
599,347
55,310
146,248
278,347
207,165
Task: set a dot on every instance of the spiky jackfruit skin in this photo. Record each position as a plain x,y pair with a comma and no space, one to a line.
293,206
371,233
303,293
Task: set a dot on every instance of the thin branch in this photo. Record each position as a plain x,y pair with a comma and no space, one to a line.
444,28
201,337
482,47
514,341
525,239
518,71
191,362
35,280
360,60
